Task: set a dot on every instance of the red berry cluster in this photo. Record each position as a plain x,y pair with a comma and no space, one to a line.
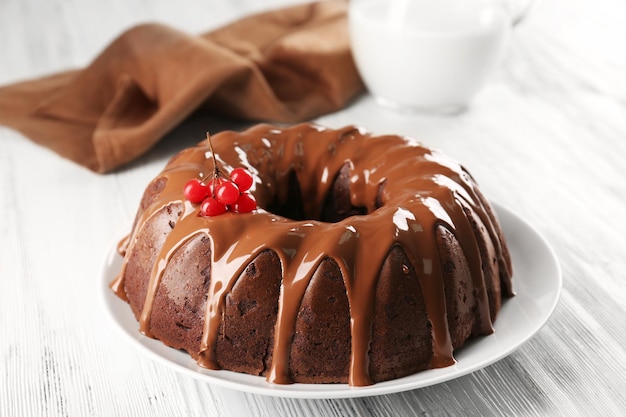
222,194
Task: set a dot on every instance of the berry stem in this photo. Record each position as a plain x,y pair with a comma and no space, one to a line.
216,171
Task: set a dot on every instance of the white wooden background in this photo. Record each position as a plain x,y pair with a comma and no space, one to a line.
547,137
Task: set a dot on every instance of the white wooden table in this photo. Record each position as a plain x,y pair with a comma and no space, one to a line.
546,138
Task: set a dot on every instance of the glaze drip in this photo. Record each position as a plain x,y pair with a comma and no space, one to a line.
423,190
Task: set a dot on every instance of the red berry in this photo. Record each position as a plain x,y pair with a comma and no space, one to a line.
227,193
211,207
245,203
242,178
195,191
214,184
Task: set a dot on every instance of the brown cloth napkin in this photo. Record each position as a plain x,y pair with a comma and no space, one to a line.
284,65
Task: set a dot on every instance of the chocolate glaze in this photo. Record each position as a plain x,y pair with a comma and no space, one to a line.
407,191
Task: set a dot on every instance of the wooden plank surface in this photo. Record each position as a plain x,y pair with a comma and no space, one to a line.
546,138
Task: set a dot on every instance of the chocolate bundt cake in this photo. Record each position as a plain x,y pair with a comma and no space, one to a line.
369,258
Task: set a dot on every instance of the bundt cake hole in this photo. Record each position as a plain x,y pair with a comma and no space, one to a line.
337,204
292,207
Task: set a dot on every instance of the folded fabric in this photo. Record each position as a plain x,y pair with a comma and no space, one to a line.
284,65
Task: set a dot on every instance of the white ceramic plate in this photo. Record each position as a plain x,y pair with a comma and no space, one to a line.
537,282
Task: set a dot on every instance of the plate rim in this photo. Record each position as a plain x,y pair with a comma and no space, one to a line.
257,384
